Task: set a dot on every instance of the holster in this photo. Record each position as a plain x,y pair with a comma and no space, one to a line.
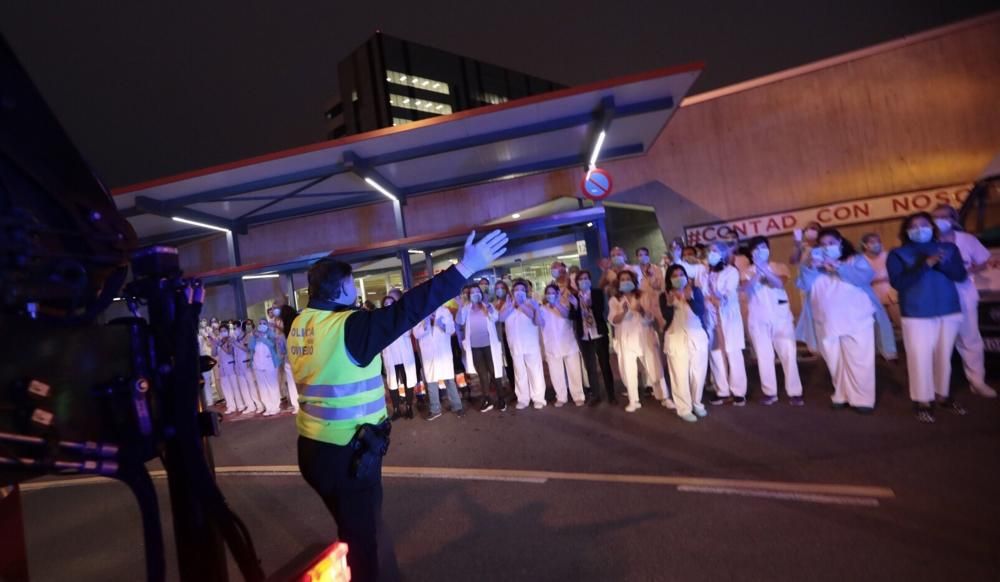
370,444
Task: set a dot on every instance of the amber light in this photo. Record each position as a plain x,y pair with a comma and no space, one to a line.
331,566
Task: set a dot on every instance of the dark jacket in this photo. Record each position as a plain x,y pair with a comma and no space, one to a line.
600,313
697,303
926,291
367,333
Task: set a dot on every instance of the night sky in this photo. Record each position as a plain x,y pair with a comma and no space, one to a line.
151,89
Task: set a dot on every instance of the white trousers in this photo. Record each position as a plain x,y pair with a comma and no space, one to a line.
970,342
851,360
687,357
287,382
208,389
529,379
730,373
929,342
562,368
231,392
248,391
648,354
772,337
270,392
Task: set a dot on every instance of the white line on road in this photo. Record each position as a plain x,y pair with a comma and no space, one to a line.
811,498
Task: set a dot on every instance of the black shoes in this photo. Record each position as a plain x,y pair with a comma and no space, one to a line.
720,400
487,405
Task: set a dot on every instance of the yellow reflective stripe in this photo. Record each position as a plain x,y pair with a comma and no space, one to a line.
363,398
341,390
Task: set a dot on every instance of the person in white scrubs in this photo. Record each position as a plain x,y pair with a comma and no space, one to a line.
522,319
838,281
770,323
562,353
205,346
651,274
434,338
400,371
805,242
481,342
728,338
632,316
244,368
286,381
685,343
615,265
226,366
924,272
975,256
264,361
875,253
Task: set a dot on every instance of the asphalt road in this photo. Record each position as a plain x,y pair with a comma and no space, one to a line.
941,522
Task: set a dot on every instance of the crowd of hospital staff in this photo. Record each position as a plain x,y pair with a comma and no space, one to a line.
670,324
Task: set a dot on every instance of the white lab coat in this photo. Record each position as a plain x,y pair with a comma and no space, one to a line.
729,338
969,342
562,353
686,347
523,339
435,345
845,330
772,331
400,352
635,338
496,347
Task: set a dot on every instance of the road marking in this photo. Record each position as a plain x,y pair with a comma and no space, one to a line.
808,497
540,477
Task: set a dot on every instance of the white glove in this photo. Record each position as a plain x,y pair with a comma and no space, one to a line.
480,255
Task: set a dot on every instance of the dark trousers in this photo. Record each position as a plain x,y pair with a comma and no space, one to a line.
594,352
509,359
356,506
482,360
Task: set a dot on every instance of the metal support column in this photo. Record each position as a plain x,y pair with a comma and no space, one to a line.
601,224
404,254
293,299
428,264
233,248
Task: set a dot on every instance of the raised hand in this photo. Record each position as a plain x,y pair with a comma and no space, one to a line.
479,255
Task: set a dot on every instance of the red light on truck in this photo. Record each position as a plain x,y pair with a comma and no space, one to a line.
331,566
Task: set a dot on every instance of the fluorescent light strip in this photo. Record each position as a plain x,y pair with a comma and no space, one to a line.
264,276
379,187
201,224
597,148
568,257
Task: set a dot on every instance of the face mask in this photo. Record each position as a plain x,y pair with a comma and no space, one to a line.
215,326
476,297
585,285
644,260
920,234
691,259
387,303
262,328
875,248
556,273
224,333
714,258
500,293
762,254
832,251
618,260
627,287
552,298
943,224
485,289
811,234
520,296
679,282
276,312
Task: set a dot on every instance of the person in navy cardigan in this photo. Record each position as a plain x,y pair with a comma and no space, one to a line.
924,272
590,321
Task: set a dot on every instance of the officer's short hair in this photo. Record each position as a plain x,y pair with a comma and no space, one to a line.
326,277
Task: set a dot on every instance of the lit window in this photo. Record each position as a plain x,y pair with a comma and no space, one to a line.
492,98
419,105
418,82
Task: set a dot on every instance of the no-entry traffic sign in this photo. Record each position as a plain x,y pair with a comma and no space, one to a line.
596,185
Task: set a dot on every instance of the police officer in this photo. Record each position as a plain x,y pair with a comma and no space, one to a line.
334,349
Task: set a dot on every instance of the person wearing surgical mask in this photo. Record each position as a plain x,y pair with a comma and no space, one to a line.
211,392
632,316
975,256
481,342
501,295
400,371
522,318
924,272
693,268
286,380
562,353
876,255
484,288
615,265
770,322
591,326
847,314
650,274
685,343
224,353
244,368
727,338
264,362
805,241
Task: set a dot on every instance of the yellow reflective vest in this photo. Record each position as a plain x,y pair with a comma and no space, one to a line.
335,394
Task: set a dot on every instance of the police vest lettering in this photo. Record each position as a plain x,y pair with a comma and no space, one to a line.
335,394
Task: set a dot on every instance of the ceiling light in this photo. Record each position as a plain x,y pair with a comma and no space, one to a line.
568,257
402,77
515,215
415,252
590,224
263,276
597,148
201,224
381,189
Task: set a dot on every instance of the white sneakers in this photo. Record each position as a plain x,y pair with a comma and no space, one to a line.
521,406
984,391
632,407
